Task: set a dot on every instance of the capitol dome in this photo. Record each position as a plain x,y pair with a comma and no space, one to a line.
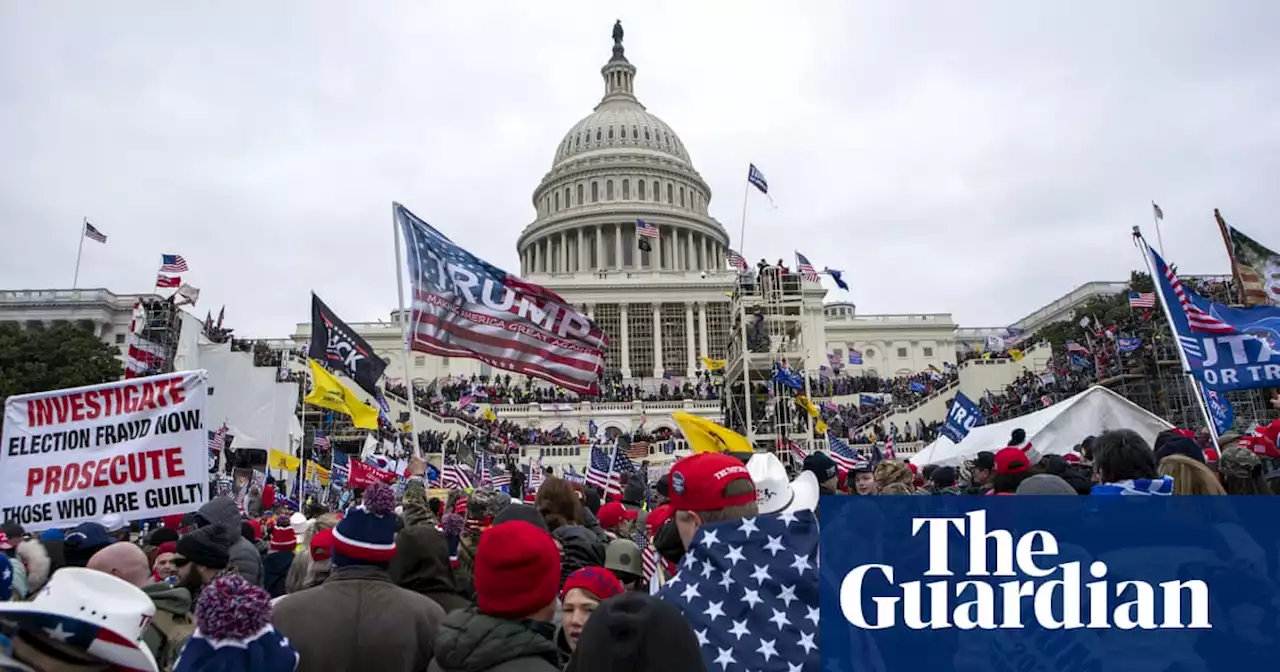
618,166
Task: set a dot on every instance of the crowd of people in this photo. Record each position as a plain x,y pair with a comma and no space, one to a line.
562,578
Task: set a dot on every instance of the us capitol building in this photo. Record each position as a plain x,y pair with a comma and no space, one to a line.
663,309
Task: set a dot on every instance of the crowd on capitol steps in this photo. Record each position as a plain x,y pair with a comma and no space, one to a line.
646,577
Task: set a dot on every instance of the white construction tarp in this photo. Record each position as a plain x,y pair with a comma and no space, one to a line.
258,410
1055,430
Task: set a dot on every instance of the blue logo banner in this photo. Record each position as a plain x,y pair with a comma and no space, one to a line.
961,417
1052,584
1220,409
1246,359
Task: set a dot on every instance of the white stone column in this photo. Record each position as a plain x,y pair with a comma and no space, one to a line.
600,248
582,254
658,264
533,257
591,311
688,344
702,329
545,253
657,341
622,340
564,251
636,255
691,259
617,246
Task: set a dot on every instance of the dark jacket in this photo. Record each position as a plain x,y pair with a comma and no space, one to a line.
592,523
275,572
470,641
222,511
582,548
166,634
358,620
422,565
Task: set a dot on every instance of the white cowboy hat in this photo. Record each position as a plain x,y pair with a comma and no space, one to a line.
774,493
100,614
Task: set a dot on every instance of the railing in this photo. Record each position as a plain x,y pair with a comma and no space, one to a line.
24,296
588,407
443,419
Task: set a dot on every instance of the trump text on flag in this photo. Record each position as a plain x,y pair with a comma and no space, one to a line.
137,448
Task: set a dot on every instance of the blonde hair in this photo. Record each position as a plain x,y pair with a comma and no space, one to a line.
300,574
889,472
1190,477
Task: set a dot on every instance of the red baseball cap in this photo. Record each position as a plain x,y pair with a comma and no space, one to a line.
1011,460
613,513
657,517
698,482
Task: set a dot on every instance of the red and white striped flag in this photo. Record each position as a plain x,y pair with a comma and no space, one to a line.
1197,319
168,280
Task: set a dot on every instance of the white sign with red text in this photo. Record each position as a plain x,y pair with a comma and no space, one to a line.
137,448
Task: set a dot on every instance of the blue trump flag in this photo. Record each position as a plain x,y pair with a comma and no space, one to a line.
1220,409
1226,348
961,417
749,589
1069,583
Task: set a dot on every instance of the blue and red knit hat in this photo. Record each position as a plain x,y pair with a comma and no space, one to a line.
367,534
234,632
598,581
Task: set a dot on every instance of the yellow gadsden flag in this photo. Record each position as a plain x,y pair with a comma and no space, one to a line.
278,459
705,436
333,395
714,364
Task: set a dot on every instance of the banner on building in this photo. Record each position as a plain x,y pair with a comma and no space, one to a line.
137,448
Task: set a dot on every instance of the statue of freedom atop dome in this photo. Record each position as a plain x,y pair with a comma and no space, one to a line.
617,33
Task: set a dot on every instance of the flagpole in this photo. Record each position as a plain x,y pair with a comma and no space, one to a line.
742,233
302,440
1231,256
1173,330
404,338
75,282
1155,216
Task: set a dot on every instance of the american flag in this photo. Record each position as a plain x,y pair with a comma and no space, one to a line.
322,442
1072,346
749,590
1157,211
340,469
168,280
638,450
217,441
756,178
646,230
453,475
806,269
1142,300
172,263
888,449
497,318
535,475
844,455
648,555
93,234
600,474
1197,318
797,450
736,260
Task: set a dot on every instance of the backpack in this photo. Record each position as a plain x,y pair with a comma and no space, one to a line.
174,630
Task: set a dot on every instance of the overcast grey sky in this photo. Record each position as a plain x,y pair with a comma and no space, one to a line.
978,158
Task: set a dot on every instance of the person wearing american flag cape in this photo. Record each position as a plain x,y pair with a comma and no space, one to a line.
748,582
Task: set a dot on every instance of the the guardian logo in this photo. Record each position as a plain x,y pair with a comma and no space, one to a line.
986,603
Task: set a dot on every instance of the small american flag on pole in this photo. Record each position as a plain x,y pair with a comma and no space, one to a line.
93,234
217,441
173,263
600,471
453,475
736,260
1142,300
1197,318
806,269
646,230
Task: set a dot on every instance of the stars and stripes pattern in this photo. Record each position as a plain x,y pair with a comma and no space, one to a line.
322,442
93,233
217,441
749,590
646,230
736,260
797,450
841,452
168,280
638,450
143,357
498,318
453,475
173,263
1142,299
1197,318
888,448
1157,211
806,269
600,473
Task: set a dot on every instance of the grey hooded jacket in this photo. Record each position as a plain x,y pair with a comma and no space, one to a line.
222,511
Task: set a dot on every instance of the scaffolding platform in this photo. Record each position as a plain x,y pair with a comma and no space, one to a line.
768,331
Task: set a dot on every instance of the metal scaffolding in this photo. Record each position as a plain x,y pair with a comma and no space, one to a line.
767,332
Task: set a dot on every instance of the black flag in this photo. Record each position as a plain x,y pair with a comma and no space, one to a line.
336,345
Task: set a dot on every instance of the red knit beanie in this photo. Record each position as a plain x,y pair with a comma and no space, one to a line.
600,582
283,539
517,570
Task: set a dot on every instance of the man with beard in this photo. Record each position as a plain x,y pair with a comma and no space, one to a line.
201,556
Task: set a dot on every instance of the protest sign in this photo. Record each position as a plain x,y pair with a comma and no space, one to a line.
136,447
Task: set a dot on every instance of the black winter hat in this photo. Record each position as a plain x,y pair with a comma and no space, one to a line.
161,535
634,632
634,492
943,477
821,465
208,547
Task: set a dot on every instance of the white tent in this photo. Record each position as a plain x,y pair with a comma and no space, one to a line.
1055,430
